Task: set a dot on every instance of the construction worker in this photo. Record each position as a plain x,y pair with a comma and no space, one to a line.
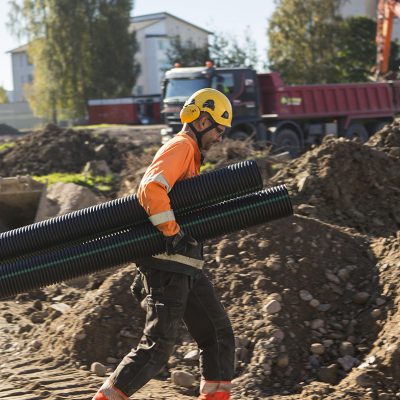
175,286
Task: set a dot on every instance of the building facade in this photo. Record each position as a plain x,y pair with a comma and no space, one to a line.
22,72
154,33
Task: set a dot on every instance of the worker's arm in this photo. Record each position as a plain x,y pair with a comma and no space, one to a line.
168,168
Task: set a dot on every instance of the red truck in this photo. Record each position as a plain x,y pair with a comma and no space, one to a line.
289,117
127,110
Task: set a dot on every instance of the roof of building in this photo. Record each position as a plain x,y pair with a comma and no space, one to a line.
142,21
137,26
20,49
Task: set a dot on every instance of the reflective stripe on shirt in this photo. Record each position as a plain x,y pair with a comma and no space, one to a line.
156,178
193,262
162,217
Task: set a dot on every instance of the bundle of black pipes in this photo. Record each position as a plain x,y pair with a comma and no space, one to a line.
200,191
70,261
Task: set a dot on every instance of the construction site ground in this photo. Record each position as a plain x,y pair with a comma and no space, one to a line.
313,298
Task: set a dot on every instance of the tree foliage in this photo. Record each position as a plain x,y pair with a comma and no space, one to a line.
224,50
327,48
356,52
3,95
356,49
186,53
80,49
302,43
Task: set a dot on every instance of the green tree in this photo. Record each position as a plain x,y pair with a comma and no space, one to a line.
3,95
187,53
80,49
302,41
226,51
356,49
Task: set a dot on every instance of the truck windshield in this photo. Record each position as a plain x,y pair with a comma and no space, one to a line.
183,88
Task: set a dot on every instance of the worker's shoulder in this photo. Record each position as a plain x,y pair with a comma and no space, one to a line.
179,141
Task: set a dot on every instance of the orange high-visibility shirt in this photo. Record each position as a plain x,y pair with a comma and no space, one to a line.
178,159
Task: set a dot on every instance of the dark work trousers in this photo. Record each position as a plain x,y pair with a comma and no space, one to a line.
172,297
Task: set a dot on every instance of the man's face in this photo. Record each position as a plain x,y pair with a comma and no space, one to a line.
213,136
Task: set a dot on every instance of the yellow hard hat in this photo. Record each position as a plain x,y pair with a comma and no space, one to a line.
209,100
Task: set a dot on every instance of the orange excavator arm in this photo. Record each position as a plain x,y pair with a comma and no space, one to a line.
387,11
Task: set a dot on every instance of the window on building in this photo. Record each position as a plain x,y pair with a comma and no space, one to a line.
160,44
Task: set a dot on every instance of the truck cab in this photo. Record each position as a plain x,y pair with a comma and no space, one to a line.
240,85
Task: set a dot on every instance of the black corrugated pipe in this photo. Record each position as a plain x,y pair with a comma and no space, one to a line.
209,188
74,260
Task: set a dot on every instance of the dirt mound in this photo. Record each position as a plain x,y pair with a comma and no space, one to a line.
346,183
300,294
313,298
305,299
100,326
54,149
387,139
8,130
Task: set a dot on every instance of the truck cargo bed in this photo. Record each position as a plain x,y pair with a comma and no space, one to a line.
358,100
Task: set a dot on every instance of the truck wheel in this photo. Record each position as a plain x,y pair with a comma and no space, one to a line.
239,135
357,131
376,127
288,140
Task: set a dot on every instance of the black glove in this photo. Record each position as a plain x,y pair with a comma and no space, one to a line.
180,243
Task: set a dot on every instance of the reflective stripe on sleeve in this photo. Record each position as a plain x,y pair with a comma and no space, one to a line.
162,217
157,178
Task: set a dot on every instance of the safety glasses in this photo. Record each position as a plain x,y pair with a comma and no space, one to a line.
220,131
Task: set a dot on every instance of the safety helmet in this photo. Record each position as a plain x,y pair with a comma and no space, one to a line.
209,100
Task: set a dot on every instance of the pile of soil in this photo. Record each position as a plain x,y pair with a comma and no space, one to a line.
387,139
313,298
54,149
7,130
346,183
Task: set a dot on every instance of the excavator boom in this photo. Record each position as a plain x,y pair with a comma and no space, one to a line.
387,11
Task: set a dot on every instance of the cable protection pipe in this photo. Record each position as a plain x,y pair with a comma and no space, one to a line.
74,260
190,194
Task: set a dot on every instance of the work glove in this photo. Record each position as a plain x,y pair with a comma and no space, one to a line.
180,243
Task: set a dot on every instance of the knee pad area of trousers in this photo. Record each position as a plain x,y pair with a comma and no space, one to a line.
226,335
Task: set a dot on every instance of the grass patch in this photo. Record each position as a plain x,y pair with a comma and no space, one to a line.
100,183
207,167
98,126
6,145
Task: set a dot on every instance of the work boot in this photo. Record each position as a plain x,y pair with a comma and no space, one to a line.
100,396
215,396
109,392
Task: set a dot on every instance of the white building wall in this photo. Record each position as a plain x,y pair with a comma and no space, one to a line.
154,42
22,74
139,57
358,8
186,32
